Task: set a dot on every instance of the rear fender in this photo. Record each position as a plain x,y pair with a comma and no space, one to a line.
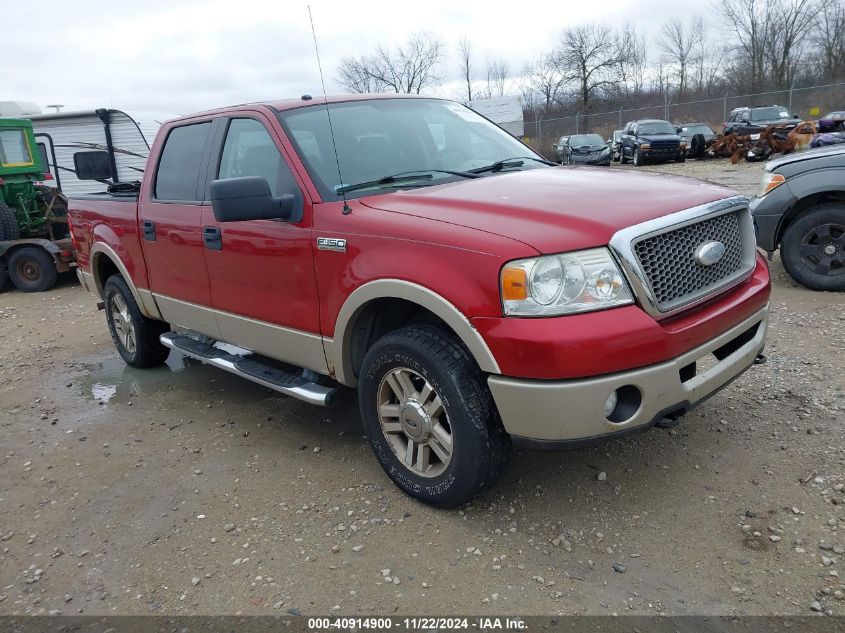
143,297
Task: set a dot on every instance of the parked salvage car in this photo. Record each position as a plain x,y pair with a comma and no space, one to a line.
561,143
751,121
696,136
832,122
800,209
651,140
468,290
585,149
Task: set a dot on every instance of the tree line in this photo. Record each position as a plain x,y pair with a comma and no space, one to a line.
746,46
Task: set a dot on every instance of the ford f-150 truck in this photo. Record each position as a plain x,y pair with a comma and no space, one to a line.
475,295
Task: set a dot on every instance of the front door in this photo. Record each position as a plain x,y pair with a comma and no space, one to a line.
263,286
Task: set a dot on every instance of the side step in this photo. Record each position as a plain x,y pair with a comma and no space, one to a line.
249,366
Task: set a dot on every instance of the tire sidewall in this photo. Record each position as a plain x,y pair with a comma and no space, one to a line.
637,158
46,267
114,286
454,485
790,245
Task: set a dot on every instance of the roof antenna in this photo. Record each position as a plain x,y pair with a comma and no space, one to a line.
346,208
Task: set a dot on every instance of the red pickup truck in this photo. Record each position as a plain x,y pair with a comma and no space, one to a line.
474,294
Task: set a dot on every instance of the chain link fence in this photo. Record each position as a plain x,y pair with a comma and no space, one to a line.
808,102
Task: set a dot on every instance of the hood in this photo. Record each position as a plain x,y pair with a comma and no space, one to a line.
590,147
831,151
553,209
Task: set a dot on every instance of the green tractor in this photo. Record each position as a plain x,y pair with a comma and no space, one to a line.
34,243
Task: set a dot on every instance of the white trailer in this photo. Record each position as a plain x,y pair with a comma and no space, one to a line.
86,150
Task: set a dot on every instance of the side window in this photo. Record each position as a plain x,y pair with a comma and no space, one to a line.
249,151
179,166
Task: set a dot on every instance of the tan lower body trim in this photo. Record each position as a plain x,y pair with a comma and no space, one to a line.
296,347
572,410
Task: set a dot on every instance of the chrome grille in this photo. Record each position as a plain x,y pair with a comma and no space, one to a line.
669,266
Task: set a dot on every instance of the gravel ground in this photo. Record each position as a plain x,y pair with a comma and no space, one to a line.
183,490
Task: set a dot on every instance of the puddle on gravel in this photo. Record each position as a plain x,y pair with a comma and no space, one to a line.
113,380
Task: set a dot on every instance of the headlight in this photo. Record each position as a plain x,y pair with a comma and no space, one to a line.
683,145
563,284
645,146
770,181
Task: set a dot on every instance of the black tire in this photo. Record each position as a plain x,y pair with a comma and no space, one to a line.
682,158
813,248
480,447
622,159
697,146
637,158
145,348
8,223
4,276
32,269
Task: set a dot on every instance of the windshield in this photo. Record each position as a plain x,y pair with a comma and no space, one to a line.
769,114
586,139
655,127
382,137
697,129
14,151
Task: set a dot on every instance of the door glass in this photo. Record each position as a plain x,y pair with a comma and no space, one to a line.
13,149
249,151
179,167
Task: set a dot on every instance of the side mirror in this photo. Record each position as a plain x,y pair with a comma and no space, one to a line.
92,165
248,198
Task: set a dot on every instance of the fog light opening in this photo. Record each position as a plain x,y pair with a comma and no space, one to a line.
623,404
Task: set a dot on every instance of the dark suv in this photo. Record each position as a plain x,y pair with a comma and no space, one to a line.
651,140
752,121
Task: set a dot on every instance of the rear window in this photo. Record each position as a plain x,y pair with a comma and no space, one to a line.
179,166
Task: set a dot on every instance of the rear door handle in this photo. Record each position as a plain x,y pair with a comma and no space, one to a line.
212,238
149,230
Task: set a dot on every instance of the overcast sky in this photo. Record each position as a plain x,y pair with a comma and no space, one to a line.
180,57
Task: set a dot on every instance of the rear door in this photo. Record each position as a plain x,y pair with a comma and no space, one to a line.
169,220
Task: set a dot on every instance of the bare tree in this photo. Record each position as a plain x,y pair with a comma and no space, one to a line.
409,69
545,79
788,29
465,56
588,54
498,73
632,60
829,38
678,42
749,20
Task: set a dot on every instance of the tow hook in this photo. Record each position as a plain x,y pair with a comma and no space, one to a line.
760,359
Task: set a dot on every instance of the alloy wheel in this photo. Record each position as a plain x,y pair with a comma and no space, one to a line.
122,321
822,249
414,422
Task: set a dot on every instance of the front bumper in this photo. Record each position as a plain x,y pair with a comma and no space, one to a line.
553,414
593,159
768,213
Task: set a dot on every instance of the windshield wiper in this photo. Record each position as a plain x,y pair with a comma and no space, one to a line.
516,161
405,176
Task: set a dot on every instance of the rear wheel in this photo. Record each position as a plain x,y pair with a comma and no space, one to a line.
135,336
3,274
8,223
32,269
813,248
429,416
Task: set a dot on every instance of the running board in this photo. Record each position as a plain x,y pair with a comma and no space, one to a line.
243,363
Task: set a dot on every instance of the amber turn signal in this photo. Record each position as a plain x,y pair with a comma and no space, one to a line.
773,180
514,284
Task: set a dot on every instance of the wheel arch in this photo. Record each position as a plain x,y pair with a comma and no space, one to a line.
106,262
807,200
358,318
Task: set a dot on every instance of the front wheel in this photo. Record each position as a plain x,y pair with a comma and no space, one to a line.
429,416
32,269
813,248
622,159
638,160
135,336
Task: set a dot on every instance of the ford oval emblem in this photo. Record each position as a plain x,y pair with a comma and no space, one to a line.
710,253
